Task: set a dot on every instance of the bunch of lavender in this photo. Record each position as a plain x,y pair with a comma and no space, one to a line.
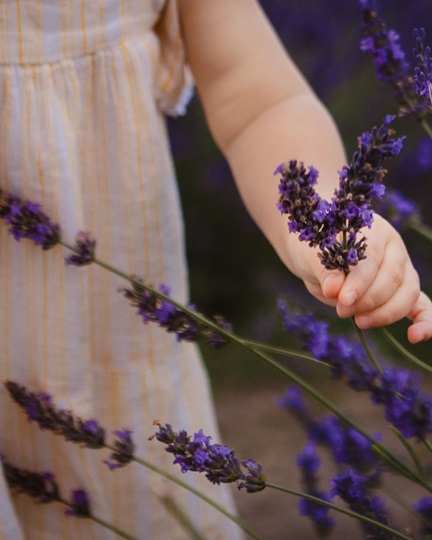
39,408
216,461
334,226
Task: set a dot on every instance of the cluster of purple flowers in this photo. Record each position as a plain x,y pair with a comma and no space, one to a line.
354,489
44,488
123,452
39,408
334,226
309,463
216,461
84,247
348,446
391,65
398,210
346,358
173,319
396,389
26,220
423,70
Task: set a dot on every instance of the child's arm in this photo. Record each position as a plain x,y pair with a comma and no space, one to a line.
261,113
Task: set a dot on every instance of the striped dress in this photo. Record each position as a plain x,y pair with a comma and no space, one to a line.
84,87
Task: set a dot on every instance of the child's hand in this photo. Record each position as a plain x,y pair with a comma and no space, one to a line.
379,291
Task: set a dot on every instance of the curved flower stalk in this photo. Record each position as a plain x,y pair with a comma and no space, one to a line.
43,487
396,389
334,227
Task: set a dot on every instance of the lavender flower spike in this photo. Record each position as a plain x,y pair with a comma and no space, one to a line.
173,319
40,409
423,70
391,65
84,250
123,452
26,220
195,453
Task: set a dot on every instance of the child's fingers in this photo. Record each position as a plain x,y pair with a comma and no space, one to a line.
421,315
391,311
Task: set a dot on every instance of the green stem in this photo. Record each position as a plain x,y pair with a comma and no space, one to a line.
388,456
366,347
422,229
428,445
284,352
341,510
426,127
196,492
404,352
410,451
101,522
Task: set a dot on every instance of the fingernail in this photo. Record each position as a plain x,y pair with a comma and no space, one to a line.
364,322
348,298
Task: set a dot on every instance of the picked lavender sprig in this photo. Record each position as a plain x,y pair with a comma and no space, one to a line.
216,461
334,227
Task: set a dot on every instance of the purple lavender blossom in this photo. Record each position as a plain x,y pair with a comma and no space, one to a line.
391,65
347,359
123,452
84,247
309,463
398,210
348,446
79,505
40,486
26,220
353,488
40,409
218,462
154,309
423,70
406,408
398,390
334,226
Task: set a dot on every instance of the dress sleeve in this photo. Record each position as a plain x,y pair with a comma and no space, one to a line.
174,82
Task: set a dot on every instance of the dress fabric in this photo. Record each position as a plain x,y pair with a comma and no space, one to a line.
84,89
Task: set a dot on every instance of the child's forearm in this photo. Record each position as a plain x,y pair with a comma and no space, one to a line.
296,128
259,107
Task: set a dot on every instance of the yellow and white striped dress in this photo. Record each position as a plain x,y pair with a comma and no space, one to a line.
84,86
